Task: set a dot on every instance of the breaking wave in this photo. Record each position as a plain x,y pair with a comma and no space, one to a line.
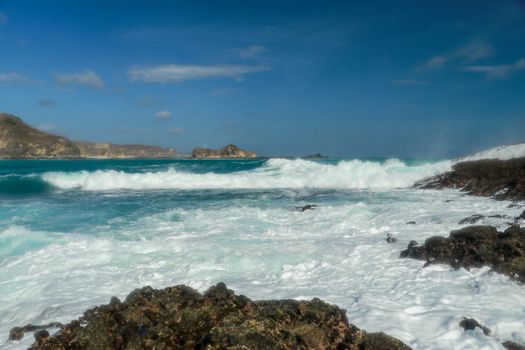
274,173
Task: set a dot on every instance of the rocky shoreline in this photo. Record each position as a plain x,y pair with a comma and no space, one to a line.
181,318
500,179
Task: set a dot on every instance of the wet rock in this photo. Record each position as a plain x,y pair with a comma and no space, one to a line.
476,246
40,336
510,345
411,223
17,333
522,216
471,219
181,318
390,238
305,207
469,324
501,179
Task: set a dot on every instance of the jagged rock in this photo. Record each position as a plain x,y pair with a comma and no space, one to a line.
390,238
510,345
230,151
109,150
471,219
501,179
305,207
21,141
476,246
181,318
469,324
17,333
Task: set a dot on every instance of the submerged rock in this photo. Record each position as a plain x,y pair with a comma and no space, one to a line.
181,318
476,246
501,179
469,324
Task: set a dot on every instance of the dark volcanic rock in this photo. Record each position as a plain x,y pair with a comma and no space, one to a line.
17,333
510,345
502,179
476,246
469,324
181,318
471,219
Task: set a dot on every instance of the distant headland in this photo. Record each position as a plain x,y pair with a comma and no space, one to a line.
19,140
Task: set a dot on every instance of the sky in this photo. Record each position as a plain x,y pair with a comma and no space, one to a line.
342,78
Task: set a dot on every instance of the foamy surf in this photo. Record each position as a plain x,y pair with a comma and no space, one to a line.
275,173
502,152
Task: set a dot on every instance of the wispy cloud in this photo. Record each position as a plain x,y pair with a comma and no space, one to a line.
251,52
500,71
433,63
3,18
46,103
410,82
163,115
175,131
177,73
13,78
87,78
474,51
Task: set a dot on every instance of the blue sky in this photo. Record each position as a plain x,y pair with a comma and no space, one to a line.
375,78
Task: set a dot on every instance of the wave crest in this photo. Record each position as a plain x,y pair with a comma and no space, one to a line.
275,173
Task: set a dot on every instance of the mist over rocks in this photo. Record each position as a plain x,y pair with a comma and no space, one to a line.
475,246
500,179
230,151
181,318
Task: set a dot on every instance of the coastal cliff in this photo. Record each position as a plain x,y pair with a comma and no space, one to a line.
230,151
21,141
109,150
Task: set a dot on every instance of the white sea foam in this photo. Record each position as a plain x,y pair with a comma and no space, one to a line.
501,152
337,253
275,173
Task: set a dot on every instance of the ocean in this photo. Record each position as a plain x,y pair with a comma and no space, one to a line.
74,233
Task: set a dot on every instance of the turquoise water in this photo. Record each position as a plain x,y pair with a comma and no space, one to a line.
75,233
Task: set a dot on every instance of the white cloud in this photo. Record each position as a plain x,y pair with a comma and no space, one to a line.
434,62
87,78
501,71
474,51
176,73
175,131
13,78
163,115
251,52
3,18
